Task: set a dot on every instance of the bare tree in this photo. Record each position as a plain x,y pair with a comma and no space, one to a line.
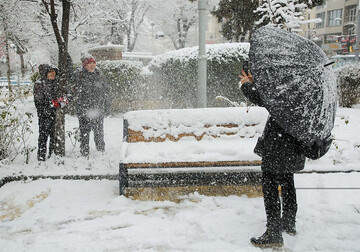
20,50
175,17
6,42
124,18
15,24
6,21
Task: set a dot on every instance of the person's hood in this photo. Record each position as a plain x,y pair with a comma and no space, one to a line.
44,69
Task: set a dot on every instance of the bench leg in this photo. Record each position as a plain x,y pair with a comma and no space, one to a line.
123,178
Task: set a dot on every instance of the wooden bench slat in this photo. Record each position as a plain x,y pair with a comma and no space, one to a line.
135,138
194,164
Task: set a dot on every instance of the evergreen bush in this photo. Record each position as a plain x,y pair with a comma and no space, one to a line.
176,73
123,76
348,79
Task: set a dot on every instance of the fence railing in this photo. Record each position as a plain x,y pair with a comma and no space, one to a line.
13,82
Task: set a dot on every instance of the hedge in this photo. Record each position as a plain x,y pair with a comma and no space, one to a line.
348,79
176,73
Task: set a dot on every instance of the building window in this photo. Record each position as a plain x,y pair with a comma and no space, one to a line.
350,13
349,29
322,17
334,17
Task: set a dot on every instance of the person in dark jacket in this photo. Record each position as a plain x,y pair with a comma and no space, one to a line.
92,104
282,155
45,93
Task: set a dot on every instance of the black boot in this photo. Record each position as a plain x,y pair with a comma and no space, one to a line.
41,156
268,240
288,226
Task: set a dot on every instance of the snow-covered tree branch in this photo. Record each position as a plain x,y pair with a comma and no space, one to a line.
285,14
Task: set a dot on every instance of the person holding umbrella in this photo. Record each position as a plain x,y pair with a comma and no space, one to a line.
292,81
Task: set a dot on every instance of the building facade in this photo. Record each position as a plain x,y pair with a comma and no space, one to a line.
336,33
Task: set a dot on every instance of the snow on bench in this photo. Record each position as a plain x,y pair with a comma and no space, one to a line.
191,147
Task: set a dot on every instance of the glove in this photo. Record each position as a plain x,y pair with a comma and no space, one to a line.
63,101
54,104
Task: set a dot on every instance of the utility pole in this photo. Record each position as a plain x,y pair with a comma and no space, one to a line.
201,92
309,17
357,33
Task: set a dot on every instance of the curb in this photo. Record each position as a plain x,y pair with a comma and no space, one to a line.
9,179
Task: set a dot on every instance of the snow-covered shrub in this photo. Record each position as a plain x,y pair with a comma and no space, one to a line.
15,127
176,72
74,137
348,79
123,76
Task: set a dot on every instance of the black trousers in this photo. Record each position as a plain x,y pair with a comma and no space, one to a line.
279,210
85,126
46,129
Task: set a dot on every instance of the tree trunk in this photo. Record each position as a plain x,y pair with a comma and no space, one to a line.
62,41
7,53
60,115
22,64
8,72
63,50
60,133
178,25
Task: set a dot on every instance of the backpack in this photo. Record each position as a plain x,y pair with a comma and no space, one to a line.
318,149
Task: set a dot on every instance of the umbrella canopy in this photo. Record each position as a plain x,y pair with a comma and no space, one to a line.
296,87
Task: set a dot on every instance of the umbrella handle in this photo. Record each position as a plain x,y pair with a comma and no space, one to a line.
330,63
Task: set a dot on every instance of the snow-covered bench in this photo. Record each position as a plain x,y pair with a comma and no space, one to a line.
192,149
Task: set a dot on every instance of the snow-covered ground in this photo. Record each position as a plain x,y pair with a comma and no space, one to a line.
59,215
68,215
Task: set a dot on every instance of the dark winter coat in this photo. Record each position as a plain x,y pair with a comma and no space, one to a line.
280,151
45,91
92,93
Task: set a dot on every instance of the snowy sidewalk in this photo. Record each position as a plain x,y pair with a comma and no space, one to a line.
58,215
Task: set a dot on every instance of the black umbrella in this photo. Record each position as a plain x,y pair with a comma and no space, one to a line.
295,82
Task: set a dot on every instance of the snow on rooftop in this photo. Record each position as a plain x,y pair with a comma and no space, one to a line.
105,47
